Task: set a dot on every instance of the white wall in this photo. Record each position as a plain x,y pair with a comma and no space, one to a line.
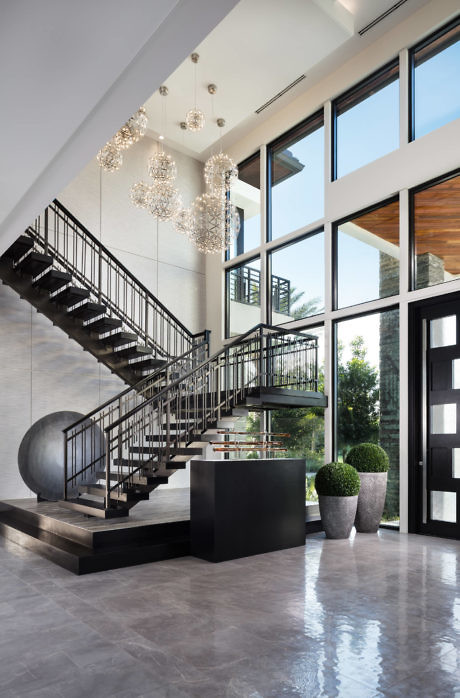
41,369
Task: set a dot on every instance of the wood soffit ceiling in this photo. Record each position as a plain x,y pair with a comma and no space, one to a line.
436,222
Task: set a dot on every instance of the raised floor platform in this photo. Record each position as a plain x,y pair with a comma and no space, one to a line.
157,529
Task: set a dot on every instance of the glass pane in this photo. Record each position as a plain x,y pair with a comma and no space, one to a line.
436,220
297,179
305,426
456,462
367,126
246,196
443,332
243,294
368,256
367,407
435,90
296,294
444,419
456,374
444,506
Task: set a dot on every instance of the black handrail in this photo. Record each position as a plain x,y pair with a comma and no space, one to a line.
124,269
137,386
239,340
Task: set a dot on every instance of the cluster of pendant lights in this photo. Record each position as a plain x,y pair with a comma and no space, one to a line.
110,157
212,221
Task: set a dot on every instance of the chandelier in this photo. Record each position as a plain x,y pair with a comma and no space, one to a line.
162,167
215,222
194,119
165,201
141,194
220,172
110,157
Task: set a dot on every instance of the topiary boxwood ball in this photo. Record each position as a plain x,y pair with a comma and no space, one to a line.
337,480
368,458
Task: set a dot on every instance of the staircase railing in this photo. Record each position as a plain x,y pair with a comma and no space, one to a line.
264,357
84,440
58,233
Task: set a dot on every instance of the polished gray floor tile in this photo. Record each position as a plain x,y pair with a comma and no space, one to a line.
368,617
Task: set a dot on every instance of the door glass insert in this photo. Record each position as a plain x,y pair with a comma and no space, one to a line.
456,462
444,419
456,374
443,332
444,506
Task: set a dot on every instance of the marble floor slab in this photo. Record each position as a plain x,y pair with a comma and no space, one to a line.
368,617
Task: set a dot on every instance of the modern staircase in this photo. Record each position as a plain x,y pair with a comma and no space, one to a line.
119,453
68,275
116,455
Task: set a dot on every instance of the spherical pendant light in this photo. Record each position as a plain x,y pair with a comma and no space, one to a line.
110,157
220,172
132,130
162,167
194,120
210,232
165,201
141,194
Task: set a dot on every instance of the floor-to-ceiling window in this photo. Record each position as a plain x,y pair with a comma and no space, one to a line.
367,391
296,166
367,255
243,296
366,121
435,64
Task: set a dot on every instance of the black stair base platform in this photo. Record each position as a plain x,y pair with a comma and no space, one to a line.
94,551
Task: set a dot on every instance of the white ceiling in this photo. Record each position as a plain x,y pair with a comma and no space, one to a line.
70,74
258,49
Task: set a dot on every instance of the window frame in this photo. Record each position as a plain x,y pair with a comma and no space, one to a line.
335,249
270,252
347,95
227,272
412,254
304,128
431,38
243,163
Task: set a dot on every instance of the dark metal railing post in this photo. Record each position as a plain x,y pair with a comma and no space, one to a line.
107,470
99,286
65,466
46,231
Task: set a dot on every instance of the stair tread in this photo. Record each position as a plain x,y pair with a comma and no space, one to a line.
19,247
87,310
70,296
136,350
118,338
34,263
105,324
53,279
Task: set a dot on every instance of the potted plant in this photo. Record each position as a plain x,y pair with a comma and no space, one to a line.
371,463
337,485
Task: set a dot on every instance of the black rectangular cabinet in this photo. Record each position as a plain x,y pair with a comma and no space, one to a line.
246,507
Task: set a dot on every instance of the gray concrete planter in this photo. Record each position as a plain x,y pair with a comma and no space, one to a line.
337,515
371,500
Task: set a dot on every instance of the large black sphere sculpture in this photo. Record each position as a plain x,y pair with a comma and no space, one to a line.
41,454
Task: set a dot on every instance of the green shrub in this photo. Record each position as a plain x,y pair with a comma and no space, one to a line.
337,480
368,458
